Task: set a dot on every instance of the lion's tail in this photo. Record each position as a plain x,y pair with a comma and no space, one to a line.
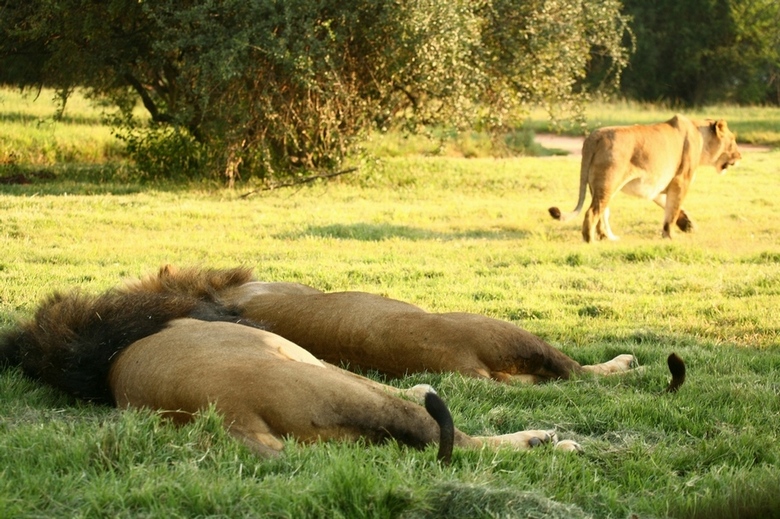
439,412
587,159
73,338
677,368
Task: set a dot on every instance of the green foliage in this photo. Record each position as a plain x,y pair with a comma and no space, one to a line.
268,87
538,52
164,152
704,51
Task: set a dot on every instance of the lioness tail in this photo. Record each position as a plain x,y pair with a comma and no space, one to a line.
439,412
587,157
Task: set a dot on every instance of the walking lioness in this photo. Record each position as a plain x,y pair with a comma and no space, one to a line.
655,161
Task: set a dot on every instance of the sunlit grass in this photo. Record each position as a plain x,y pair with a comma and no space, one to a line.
34,132
449,234
753,125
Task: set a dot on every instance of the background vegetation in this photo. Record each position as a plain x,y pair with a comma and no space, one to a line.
704,51
448,234
269,87
234,89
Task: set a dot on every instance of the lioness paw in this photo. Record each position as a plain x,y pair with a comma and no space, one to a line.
619,364
684,223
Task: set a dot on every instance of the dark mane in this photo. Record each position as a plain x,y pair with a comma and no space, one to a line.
73,337
196,282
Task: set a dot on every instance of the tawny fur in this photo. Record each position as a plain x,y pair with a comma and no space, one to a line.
367,331
655,161
178,354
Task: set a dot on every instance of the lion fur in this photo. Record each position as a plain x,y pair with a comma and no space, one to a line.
371,332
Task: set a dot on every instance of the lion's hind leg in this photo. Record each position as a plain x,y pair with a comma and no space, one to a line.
523,440
619,364
258,438
596,222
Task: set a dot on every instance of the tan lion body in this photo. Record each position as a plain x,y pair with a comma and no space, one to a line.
655,161
369,331
267,388
178,354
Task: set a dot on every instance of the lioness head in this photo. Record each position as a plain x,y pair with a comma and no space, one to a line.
720,144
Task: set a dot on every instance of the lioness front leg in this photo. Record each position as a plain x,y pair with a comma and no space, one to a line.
672,211
684,223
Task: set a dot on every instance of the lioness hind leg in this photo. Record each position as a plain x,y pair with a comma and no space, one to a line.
591,225
684,223
606,230
596,222
619,364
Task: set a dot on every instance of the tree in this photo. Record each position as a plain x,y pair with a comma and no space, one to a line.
268,87
704,51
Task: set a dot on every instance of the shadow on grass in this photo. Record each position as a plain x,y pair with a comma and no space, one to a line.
379,232
79,179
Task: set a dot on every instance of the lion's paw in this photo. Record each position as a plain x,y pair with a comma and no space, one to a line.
568,446
525,439
625,362
684,223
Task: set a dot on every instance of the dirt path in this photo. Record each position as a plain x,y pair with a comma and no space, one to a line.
571,145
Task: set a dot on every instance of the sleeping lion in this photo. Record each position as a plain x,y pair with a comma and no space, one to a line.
368,331
178,355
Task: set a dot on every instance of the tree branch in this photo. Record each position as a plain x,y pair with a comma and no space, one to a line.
300,181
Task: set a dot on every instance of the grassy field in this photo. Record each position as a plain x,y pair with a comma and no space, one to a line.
447,234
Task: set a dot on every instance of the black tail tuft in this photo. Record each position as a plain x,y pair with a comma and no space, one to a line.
677,368
439,412
555,212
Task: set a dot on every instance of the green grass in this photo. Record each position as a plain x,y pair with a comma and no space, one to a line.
753,125
448,234
32,134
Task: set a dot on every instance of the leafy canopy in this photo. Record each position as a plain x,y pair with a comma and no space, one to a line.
268,87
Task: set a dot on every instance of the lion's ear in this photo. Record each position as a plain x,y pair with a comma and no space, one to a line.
168,270
719,127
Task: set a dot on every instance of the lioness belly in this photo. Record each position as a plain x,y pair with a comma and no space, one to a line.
649,184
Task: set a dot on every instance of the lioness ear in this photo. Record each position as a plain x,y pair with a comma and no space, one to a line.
719,127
